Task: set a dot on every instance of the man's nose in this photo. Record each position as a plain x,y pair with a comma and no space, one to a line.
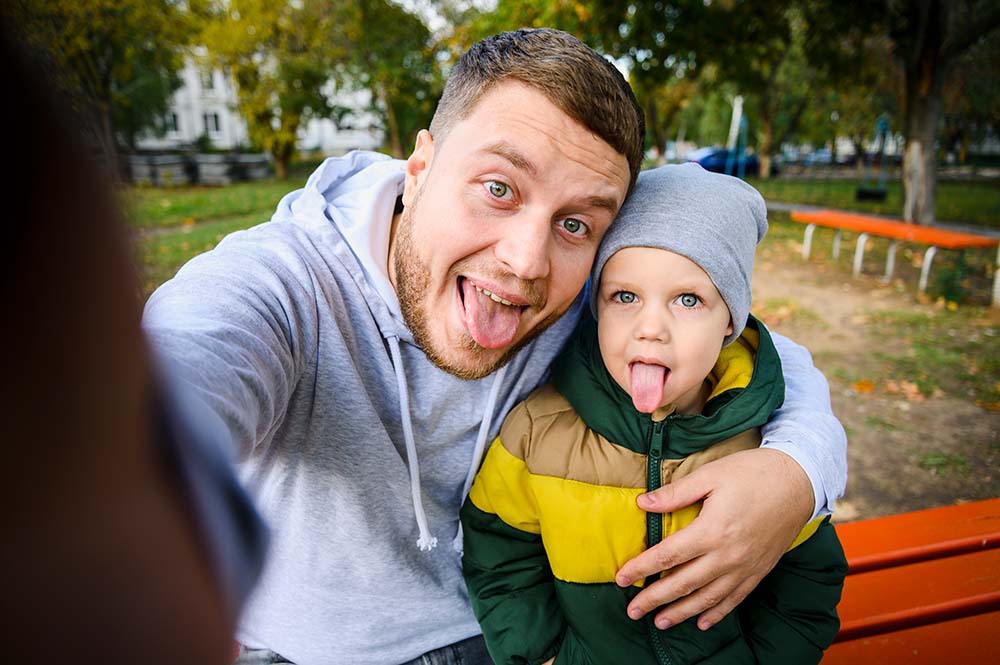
525,246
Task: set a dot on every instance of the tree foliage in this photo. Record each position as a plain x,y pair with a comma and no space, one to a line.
282,56
930,37
115,60
392,55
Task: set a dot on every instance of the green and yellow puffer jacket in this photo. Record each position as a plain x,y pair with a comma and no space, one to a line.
552,516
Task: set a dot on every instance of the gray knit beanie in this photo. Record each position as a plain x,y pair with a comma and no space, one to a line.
713,219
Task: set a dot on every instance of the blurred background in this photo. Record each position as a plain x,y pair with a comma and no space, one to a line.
206,113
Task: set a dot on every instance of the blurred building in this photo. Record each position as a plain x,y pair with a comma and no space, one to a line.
205,105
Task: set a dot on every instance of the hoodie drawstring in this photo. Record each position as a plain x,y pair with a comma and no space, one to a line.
426,541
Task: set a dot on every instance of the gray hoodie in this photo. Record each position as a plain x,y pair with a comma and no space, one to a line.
358,450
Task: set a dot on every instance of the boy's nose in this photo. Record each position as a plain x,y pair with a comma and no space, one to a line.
652,325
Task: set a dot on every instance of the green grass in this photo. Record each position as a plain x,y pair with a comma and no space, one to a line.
943,463
955,352
161,256
966,202
153,207
157,207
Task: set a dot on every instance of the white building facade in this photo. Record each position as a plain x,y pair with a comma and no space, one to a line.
205,104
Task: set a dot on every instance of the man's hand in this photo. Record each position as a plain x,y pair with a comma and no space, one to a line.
756,502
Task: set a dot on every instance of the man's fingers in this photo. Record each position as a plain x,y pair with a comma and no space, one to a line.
678,494
712,603
679,548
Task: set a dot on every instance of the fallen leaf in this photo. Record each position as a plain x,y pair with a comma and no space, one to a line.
864,386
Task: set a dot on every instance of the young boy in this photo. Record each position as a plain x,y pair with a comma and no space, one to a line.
672,374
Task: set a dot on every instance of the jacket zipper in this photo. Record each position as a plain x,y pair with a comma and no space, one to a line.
654,524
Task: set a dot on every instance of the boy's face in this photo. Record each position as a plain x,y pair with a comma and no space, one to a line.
661,323
502,221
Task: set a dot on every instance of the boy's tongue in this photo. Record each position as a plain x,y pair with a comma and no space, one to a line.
490,323
646,383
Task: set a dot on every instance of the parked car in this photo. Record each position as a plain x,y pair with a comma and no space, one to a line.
715,159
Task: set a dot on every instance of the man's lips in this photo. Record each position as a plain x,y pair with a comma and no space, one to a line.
496,293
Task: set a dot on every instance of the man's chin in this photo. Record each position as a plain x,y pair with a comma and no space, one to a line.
468,360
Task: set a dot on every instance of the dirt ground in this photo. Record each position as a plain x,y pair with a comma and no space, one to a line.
891,438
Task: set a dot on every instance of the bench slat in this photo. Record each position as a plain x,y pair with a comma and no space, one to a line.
919,593
892,229
968,641
924,534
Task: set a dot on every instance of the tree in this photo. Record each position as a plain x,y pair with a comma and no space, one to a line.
282,55
930,36
391,55
972,96
115,60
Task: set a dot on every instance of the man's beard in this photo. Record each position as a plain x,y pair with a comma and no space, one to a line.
413,281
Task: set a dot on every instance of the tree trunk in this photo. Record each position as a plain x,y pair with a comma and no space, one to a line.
395,141
920,158
654,129
766,136
282,158
925,75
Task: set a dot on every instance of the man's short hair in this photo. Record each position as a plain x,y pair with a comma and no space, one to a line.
574,77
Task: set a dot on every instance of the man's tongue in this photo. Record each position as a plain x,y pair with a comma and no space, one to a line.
490,323
646,383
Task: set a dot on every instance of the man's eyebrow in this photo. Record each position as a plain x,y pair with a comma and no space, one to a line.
607,202
508,152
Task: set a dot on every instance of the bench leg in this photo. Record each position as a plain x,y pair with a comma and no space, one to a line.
836,244
859,253
807,240
996,281
925,271
890,263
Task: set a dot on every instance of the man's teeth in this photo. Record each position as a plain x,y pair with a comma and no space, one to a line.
494,297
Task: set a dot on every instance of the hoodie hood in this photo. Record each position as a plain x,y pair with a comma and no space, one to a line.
357,193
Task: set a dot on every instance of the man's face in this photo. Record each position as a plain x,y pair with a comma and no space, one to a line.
501,223
660,325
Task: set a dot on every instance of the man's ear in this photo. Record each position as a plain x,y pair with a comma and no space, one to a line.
418,165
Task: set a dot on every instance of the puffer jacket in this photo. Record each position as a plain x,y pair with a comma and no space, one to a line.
552,516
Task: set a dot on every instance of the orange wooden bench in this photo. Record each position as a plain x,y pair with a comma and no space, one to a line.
922,588
868,225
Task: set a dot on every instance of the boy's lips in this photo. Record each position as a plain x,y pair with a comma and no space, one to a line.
647,380
491,315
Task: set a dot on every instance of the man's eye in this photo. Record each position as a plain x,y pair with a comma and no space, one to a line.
689,300
624,297
574,226
498,189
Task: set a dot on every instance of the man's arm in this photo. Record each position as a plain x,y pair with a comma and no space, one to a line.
232,326
745,527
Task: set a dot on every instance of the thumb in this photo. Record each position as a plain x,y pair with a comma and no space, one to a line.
679,493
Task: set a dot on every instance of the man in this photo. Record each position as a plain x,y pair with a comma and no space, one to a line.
364,346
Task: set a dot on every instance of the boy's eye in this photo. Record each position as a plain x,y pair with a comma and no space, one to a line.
624,297
688,300
574,226
498,189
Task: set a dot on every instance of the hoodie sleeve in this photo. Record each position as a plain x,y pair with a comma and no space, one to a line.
505,565
805,427
236,343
